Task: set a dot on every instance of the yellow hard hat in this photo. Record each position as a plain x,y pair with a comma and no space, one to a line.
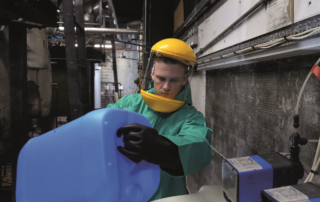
175,49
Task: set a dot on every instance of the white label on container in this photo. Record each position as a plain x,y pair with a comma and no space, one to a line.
245,164
286,194
305,200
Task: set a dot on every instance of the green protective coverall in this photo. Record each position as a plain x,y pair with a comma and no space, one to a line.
186,128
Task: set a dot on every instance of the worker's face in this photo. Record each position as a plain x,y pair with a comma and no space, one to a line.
168,79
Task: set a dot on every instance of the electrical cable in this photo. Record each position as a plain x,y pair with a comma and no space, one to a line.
217,151
299,36
316,160
302,89
270,44
315,164
245,50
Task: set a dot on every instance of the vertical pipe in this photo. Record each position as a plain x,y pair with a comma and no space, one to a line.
114,64
18,95
145,24
91,81
1,180
100,13
144,53
114,59
97,86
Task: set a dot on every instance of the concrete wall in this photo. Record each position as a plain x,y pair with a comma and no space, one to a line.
275,15
250,107
250,110
198,90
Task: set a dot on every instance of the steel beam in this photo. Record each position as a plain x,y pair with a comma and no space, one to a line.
82,58
18,95
71,59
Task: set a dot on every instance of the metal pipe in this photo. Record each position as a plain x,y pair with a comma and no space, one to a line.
231,27
114,60
86,23
145,23
98,30
100,13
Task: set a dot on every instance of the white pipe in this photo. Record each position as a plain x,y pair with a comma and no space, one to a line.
315,164
296,110
97,87
100,30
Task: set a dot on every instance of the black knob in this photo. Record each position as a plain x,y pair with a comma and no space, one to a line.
296,121
303,141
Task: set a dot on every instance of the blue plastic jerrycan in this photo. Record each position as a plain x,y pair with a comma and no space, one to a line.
79,162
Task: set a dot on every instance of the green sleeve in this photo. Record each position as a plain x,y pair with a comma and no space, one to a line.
121,104
193,142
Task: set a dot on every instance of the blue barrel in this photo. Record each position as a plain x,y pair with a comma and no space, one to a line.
79,162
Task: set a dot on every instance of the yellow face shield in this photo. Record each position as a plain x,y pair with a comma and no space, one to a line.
175,49
161,104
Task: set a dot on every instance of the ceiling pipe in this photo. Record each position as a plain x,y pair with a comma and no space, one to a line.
98,30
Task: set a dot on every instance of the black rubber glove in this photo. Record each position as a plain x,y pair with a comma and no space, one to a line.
144,143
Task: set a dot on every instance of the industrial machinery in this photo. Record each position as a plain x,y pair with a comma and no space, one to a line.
244,178
307,192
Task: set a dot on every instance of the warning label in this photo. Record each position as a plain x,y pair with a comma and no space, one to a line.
286,194
244,164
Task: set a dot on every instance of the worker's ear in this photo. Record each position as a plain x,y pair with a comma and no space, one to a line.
152,72
185,79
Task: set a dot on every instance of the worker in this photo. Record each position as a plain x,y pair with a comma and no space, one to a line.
179,140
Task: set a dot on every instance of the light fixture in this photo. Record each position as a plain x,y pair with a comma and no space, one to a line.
58,11
102,46
107,6
96,7
76,45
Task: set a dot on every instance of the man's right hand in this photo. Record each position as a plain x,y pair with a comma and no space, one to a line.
144,143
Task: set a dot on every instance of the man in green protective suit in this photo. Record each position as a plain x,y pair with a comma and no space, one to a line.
179,141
